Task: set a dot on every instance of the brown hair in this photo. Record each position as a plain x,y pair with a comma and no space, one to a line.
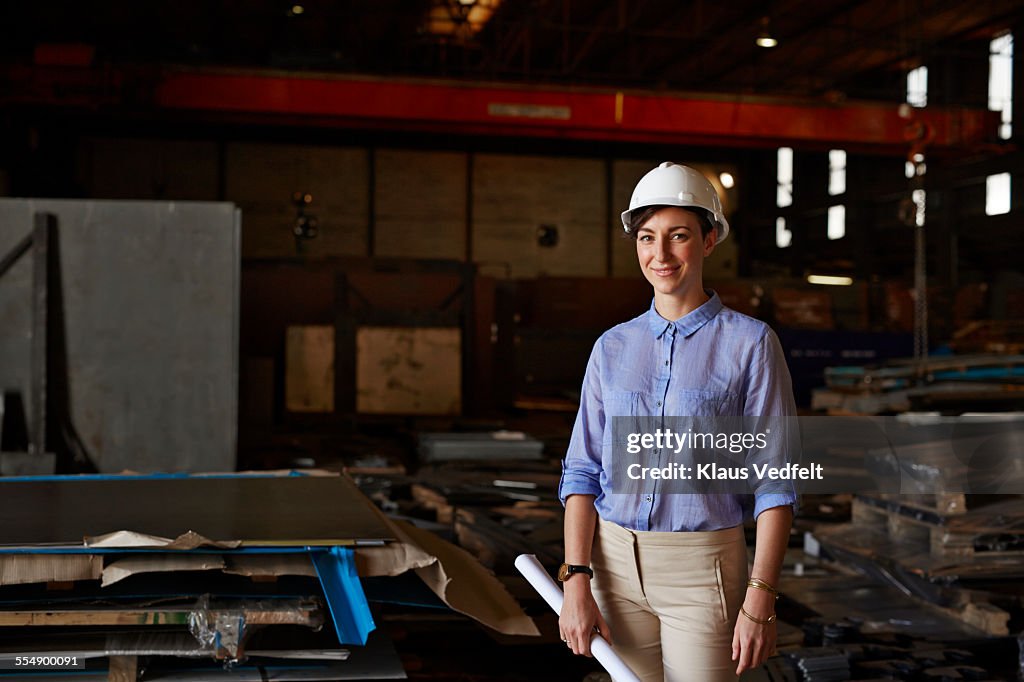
641,215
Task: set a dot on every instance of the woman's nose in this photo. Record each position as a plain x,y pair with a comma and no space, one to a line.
661,250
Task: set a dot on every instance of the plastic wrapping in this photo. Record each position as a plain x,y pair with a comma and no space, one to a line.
221,630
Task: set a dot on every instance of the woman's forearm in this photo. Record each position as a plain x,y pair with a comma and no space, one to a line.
772,538
580,520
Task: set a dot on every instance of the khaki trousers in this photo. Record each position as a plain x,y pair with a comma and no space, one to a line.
671,599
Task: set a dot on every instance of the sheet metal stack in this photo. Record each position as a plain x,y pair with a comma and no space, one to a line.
970,382
494,445
821,664
182,574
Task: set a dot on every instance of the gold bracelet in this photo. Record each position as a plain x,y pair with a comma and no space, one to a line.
762,585
768,621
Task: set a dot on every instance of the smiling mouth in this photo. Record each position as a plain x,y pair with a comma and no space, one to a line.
665,272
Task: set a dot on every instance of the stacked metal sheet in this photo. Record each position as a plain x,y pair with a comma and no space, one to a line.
821,664
192,572
492,445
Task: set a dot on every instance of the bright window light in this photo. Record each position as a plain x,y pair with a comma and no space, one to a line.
916,167
836,222
784,192
783,237
917,87
997,194
920,201
836,171
833,280
1000,82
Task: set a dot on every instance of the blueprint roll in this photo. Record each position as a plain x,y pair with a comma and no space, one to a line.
547,588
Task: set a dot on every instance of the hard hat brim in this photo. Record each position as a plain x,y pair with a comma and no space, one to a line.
720,222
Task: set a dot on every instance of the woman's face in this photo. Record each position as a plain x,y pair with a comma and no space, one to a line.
671,251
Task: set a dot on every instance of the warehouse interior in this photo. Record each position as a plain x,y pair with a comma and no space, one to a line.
297,297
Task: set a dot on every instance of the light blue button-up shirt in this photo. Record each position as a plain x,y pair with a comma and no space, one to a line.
712,360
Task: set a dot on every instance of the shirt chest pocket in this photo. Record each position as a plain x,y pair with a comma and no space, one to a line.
701,403
680,403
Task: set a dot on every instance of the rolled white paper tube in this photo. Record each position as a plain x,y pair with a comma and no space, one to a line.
535,574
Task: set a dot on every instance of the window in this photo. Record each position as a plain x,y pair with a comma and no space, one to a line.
917,87
1000,82
997,194
836,222
784,191
920,198
783,237
836,171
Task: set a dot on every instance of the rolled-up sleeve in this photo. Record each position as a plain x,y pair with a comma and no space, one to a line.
770,394
581,468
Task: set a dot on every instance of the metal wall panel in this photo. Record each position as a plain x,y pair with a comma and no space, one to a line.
420,201
261,179
151,307
514,195
132,168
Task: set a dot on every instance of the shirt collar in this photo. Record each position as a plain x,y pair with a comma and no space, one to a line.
688,323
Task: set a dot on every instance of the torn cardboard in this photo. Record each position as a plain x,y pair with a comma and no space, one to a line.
454,575
22,569
125,539
269,565
160,563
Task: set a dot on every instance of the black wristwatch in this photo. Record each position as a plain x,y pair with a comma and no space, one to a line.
566,570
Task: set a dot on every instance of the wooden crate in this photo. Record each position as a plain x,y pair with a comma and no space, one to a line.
309,368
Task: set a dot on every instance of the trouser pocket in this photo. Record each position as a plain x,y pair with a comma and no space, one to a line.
721,590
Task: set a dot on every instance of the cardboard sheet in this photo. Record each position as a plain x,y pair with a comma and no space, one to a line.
450,572
268,565
159,563
22,569
123,539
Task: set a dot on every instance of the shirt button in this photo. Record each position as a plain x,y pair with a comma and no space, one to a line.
659,403
648,498
666,363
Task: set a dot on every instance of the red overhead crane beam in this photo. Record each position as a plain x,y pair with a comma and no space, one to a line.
486,109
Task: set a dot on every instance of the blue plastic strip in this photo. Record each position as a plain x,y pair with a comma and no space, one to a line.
139,477
162,550
336,568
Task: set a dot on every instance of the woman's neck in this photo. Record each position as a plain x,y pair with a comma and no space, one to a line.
674,306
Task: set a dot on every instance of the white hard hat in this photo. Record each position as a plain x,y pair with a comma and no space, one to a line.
673,185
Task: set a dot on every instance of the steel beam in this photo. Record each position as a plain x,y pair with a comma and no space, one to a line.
45,224
460,107
581,114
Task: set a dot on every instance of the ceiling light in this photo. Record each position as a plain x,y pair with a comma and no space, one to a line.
726,179
297,10
830,279
764,37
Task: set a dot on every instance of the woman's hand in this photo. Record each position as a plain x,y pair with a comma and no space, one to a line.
753,643
580,616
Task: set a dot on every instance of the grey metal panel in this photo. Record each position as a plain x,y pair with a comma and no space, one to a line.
269,510
151,312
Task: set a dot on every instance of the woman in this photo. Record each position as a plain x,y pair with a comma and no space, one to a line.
664,576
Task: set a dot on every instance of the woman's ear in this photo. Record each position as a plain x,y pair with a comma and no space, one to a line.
709,242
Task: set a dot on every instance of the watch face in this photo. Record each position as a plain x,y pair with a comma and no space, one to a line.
563,572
